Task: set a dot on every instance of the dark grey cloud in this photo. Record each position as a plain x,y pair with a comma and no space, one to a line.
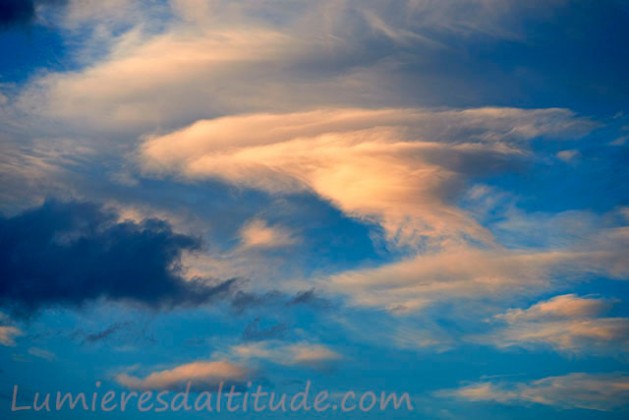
69,253
243,301
16,12
104,334
21,12
309,297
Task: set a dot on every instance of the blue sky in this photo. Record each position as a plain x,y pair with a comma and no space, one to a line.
411,196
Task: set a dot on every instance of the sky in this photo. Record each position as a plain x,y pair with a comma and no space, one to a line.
419,197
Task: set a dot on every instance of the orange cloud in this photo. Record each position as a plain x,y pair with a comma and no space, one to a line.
199,374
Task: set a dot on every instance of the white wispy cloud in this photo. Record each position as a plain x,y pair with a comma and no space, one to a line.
165,63
42,353
135,87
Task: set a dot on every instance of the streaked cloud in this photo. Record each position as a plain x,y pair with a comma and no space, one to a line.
568,306
172,56
404,169
103,13
98,336
400,167
254,331
295,354
579,248
201,374
568,323
42,354
455,273
602,392
269,189
144,78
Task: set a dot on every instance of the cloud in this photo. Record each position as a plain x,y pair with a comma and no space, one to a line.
255,332
107,332
232,367
568,306
70,253
312,355
573,247
310,297
42,354
451,274
400,167
243,300
258,234
568,155
201,375
102,13
406,170
567,323
297,354
8,334
22,12
145,77
602,392
161,70
489,19
16,12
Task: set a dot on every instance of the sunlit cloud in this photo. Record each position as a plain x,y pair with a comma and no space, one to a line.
401,167
8,335
465,272
207,374
601,392
455,273
258,234
567,323
136,87
251,191
160,63
297,354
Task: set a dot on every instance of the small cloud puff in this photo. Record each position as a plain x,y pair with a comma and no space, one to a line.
568,155
258,234
8,334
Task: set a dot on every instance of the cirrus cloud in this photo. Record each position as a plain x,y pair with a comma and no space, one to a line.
296,354
601,392
568,323
400,167
201,374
